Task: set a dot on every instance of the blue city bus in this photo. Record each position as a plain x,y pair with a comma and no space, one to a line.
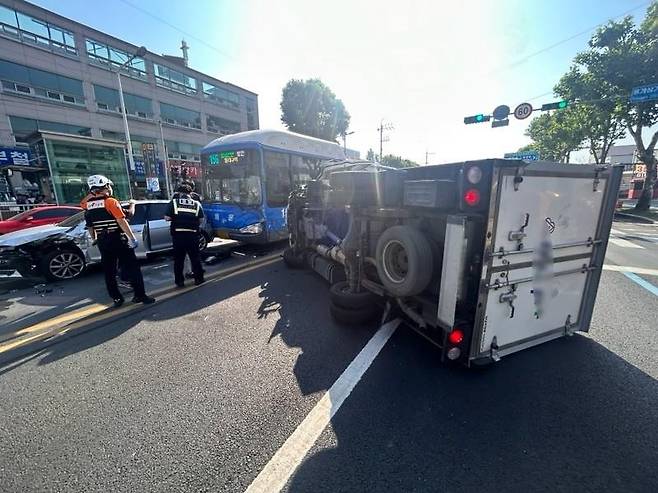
247,178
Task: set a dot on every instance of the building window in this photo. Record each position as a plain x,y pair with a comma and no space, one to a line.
252,115
107,99
109,57
173,79
22,127
221,95
183,150
29,81
35,31
181,117
136,140
221,126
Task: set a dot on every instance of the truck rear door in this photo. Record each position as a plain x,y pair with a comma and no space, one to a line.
546,239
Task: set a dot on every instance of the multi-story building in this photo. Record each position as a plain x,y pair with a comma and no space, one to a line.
59,77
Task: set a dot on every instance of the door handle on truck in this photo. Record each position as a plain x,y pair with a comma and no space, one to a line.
509,298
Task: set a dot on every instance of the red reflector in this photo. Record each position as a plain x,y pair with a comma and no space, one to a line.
472,197
456,336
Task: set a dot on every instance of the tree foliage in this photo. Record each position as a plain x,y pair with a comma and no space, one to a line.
309,107
555,135
398,162
620,56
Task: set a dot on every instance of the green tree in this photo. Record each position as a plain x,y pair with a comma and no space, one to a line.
309,107
622,56
555,135
398,162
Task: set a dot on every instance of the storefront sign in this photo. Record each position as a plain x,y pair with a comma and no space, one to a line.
640,172
14,156
152,184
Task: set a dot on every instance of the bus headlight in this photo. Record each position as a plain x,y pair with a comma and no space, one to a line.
252,229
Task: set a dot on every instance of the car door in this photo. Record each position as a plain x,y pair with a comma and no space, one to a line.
137,223
159,236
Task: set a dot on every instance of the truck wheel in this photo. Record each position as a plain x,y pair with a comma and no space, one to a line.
341,296
352,317
292,260
404,260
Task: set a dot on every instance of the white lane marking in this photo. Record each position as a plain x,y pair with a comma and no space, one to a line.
285,461
623,243
628,268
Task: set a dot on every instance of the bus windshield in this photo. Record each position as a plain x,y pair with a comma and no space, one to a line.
233,177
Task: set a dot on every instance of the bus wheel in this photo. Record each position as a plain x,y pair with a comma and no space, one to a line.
292,260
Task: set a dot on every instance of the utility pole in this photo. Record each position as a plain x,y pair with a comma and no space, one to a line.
383,126
345,134
427,156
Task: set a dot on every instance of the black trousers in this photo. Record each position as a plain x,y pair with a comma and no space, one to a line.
186,243
114,249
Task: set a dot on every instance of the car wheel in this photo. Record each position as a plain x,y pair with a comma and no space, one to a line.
62,265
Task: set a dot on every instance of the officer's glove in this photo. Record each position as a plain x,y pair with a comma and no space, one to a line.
133,243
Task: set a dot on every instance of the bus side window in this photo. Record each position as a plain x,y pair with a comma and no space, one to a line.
277,173
303,169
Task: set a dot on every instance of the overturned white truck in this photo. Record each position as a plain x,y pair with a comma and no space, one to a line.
484,258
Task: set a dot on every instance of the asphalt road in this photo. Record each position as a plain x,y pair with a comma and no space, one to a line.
199,392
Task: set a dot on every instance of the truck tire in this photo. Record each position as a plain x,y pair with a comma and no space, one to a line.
292,260
340,296
351,317
404,260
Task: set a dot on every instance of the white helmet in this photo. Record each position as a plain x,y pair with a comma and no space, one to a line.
98,181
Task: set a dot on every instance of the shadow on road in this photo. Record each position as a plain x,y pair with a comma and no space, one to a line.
565,416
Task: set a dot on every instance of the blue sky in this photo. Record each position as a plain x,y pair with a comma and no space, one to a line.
422,65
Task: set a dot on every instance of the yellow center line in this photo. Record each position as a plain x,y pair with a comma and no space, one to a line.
53,327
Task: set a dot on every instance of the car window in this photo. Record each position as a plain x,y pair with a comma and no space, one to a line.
68,212
73,220
157,211
140,215
51,213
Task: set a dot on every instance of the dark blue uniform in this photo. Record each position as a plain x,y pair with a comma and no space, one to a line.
186,214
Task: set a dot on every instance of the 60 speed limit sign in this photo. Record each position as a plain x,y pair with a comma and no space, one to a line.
523,111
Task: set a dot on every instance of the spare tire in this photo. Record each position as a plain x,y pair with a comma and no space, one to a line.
404,260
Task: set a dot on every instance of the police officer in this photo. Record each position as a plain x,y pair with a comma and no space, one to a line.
188,266
107,226
185,214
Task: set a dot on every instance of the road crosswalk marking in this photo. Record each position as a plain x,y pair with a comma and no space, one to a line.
620,242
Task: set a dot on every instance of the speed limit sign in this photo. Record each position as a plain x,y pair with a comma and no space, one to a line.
523,111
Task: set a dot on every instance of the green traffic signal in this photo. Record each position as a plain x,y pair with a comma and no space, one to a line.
476,119
559,105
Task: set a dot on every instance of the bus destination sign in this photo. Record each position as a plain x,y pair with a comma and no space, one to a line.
226,157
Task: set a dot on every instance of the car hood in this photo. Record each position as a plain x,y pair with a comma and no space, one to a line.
18,238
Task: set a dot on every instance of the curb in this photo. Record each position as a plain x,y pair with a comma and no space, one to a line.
88,323
634,217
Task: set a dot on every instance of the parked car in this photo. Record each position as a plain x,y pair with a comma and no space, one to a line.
49,214
64,250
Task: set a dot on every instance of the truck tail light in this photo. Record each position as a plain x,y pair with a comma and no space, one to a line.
472,197
474,174
456,336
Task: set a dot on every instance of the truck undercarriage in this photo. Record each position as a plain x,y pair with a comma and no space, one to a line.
478,256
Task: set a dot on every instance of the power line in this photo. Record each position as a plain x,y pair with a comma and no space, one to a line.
166,22
566,40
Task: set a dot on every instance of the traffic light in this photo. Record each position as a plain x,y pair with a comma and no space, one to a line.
476,119
558,105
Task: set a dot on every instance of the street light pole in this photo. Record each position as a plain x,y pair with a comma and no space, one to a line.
141,51
165,161
427,155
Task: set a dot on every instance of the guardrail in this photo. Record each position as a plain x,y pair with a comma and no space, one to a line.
8,210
